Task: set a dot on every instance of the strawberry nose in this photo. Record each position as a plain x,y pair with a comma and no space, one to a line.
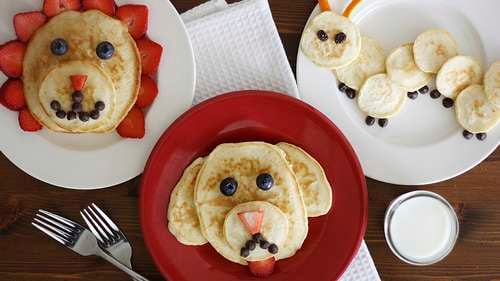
252,220
78,81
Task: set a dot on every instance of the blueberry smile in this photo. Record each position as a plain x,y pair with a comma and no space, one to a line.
77,109
258,239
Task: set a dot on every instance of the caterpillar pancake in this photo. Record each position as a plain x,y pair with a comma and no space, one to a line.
401,68
433,48
320,45
474,111
457,74
492,84
370,61
380,97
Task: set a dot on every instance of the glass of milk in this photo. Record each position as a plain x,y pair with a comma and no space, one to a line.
421,227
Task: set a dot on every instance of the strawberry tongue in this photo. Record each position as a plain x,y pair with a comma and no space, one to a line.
262,268
252,220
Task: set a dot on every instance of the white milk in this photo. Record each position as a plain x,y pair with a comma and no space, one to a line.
422,229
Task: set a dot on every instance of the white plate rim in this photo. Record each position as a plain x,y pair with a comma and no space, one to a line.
397,165
123,159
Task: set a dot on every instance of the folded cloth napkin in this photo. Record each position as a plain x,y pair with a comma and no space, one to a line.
237,47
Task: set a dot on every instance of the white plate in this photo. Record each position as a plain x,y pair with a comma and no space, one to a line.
423,144
94,161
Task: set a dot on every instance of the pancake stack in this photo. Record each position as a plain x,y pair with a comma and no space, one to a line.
200,211
114,81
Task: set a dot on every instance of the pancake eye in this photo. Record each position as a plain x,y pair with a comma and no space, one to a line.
59,47
105,50
228,186
265,181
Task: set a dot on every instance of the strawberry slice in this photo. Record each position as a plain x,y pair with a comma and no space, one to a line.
252,220
133,125
54,7
27,122
11,58
135,17
25,24
147,92
150,55
78,81
105,6
262,268
13,94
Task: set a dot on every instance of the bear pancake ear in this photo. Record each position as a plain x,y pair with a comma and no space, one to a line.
183,220
316,189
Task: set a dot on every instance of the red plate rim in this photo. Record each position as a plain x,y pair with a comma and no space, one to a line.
147,232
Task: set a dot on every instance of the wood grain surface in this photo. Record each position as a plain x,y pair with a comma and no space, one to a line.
27,255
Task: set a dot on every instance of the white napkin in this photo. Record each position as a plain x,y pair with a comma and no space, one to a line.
237,47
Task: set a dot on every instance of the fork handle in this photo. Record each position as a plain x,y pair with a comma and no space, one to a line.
135,276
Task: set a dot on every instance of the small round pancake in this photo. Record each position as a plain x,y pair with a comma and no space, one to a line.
433,48
183,220
457,74
380,97
328,53
474,111
313,183
492,84
274,228
401,68
371,61
56,86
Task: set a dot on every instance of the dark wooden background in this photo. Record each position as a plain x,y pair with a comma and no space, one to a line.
26,255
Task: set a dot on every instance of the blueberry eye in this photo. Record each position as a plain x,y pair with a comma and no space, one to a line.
105,50
59,47
265,181
228,186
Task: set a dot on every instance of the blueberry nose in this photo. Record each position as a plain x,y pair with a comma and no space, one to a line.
78,81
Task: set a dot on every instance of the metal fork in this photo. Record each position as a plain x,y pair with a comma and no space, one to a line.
77,238
107,233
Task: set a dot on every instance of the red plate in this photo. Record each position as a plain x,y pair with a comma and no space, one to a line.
333,239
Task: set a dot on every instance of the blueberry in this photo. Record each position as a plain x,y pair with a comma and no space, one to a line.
383,122
447,102
342,87
481,136
228,186
105,50
59,47
369,120
264,244
244,252
467,135
350,93
265,181
94,114
71,115
99,105
322,35
257,237
412,95
83,116
250,244
55,105
61,114
77,96
273,248
340,37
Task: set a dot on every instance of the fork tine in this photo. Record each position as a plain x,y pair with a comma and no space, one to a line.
59,218
52,228
105,217
54,222
103,224
91,226
97,226
51,234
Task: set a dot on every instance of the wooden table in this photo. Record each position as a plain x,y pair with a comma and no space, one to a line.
27,255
